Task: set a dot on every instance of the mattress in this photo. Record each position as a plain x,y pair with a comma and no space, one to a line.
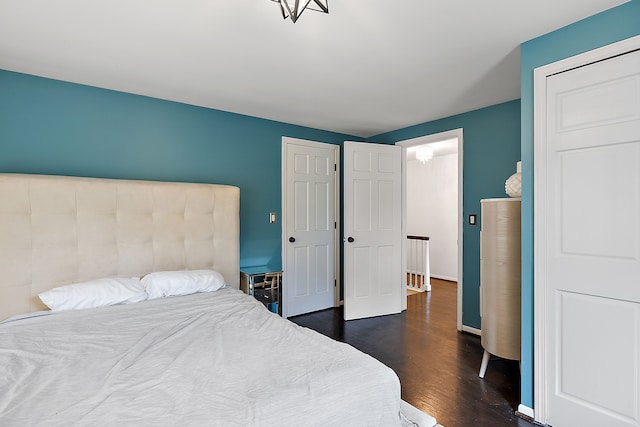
215,359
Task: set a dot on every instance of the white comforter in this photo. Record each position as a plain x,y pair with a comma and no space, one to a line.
216,359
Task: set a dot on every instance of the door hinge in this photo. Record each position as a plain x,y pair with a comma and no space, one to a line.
335,283
335,167
335,225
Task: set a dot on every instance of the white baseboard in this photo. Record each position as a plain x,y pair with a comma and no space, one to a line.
447,278
525,410
471,330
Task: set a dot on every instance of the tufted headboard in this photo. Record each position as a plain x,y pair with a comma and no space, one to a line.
58,230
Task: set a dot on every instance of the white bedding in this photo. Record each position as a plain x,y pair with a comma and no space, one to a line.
215,359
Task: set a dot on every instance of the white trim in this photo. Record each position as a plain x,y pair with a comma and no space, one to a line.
426,139
540,76
539,254
525,410
286,140
441,277
471,330
403,247
336,296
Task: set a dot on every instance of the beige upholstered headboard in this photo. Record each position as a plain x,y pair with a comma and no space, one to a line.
59,230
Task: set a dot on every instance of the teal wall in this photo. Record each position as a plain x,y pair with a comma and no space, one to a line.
596,31
53,127
491,149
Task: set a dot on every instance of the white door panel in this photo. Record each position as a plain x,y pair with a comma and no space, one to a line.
584,320
593,244
308,246
372,229
611,221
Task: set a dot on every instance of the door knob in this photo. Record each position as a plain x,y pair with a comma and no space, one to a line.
292,239
351,239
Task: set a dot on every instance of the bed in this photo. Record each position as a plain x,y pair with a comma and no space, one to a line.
186,346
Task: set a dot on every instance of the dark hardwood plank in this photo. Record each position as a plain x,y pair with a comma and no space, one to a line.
437,366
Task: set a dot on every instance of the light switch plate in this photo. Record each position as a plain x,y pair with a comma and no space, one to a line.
272,217
472,219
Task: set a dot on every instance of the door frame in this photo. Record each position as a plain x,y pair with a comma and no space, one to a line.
421,140
286,140
541,326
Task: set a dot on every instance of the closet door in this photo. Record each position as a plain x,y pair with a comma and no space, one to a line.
310,227
592,244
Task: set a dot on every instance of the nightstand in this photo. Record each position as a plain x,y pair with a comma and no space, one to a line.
263,283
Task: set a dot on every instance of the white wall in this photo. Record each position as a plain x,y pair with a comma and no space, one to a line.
432,210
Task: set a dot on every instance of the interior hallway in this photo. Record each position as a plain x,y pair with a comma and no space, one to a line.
437,366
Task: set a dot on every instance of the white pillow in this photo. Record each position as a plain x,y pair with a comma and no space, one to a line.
169,283
94,293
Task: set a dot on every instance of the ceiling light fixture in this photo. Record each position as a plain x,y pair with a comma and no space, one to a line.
424,154
294,8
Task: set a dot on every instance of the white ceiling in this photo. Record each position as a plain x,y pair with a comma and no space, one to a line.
368,67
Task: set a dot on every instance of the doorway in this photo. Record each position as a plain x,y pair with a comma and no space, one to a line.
443,214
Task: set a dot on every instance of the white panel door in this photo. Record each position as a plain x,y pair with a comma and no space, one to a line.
372,230
309,274
593,244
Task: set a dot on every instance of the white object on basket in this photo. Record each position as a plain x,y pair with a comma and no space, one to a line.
513,185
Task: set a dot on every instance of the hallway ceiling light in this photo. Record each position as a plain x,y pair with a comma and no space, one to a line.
294,8
424,154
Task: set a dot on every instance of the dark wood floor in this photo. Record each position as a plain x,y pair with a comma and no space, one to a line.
438,366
